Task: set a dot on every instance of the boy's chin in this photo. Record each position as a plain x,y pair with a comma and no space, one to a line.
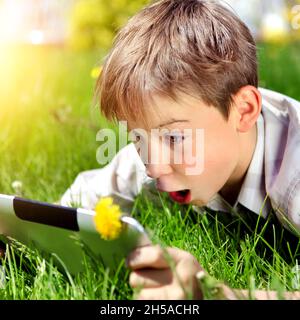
197,202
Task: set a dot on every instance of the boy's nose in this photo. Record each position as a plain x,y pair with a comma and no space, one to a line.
156,170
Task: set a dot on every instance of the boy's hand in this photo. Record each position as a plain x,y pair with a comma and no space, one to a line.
164,273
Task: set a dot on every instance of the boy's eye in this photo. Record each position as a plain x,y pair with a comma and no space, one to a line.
174,139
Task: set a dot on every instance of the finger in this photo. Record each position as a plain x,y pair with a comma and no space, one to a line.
164,293
150,278
188,267
177,254
147,257
185,277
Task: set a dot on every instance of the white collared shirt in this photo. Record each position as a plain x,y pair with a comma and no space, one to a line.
272,179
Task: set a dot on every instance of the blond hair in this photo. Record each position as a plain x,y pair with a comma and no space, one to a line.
196,47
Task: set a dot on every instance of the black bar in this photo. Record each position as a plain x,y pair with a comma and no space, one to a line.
45,213
105,309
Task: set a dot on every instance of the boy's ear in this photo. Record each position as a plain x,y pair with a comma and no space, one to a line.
247,102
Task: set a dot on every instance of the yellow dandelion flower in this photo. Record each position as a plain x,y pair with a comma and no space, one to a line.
95,72
107,219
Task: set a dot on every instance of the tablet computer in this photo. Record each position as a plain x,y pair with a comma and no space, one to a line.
56,229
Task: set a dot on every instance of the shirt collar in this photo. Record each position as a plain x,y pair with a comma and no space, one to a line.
252,194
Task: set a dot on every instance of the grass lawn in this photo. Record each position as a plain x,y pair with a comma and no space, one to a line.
48,135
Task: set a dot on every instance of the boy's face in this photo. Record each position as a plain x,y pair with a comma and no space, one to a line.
215,150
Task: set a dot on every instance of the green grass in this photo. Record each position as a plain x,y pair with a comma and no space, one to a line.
48,130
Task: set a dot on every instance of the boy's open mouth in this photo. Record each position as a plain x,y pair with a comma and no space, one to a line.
181,196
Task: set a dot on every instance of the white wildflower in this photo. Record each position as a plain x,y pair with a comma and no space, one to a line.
17,186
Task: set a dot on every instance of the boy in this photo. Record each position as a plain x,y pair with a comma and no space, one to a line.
179,68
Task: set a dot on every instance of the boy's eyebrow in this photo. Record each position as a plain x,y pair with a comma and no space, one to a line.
171,122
